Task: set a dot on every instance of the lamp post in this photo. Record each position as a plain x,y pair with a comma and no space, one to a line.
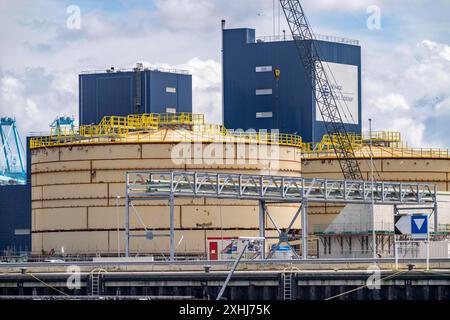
118,226
374,241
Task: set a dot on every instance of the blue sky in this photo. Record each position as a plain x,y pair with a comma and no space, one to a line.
406,64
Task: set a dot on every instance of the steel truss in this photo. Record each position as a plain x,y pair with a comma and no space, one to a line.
157,185
11,150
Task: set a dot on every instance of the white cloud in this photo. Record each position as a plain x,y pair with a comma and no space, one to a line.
390,102
206,86
419,75
406,81
433,50
339,5
410,130
35,99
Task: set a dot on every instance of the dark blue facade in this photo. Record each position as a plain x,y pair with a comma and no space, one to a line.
115,93
15,218
245,109
15,214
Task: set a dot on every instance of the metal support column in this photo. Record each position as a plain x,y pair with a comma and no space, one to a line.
172,228
395,241
233,269
262,227
305,230
436,222
127,226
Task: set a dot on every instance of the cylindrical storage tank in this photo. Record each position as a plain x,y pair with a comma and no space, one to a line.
78,194
389,164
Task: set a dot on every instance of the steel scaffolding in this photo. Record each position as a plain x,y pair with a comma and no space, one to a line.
12,153
157,185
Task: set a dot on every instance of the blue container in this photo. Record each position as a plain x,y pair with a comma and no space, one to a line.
281,248
281,252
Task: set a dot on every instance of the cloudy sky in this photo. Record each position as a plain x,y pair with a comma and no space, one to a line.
406,63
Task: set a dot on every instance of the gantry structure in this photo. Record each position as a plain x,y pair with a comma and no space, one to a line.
169,185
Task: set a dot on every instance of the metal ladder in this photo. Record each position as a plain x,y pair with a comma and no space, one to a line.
287,285
287,276
95,282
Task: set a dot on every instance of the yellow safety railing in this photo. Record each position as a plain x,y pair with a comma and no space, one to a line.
181,118
151,120
382,136
329,141
256,137
394,148
115,129
144,128
386,152
176,136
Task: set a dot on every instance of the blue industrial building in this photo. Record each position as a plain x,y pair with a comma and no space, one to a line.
15,192
255,99
141,90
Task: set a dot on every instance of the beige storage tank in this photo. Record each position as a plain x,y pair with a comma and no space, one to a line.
390,163
78,180
78,191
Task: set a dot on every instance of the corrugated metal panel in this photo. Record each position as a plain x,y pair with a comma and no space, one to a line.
114,93
15,214
242,57
184,93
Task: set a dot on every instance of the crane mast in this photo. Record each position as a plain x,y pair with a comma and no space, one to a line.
322,89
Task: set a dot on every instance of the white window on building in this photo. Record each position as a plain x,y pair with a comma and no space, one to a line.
263,92
264,69
171,110
22,232
171,90
261,115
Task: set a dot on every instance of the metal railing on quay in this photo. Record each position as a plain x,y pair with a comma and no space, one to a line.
353,228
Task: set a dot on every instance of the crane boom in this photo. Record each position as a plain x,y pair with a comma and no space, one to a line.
323,93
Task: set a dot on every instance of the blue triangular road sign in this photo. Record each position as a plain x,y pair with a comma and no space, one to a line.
419,224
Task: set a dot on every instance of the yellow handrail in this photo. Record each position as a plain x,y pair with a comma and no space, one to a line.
136,128
124,129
